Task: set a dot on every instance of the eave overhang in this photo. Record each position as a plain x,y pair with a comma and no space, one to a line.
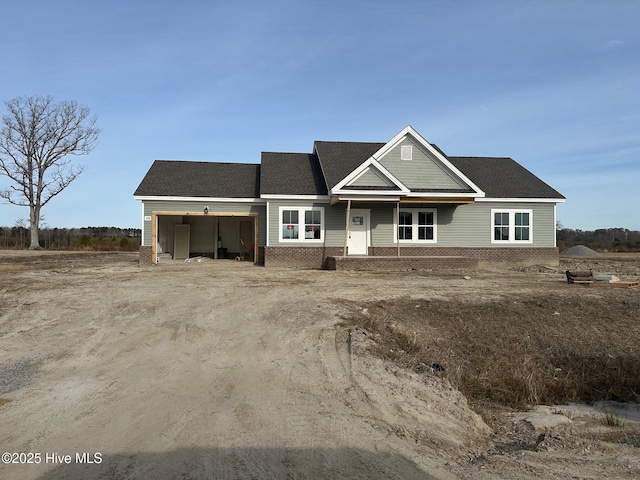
389,197
156,198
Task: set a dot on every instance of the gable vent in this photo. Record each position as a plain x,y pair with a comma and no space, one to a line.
406,152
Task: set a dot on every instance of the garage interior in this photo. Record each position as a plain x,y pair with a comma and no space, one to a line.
228,236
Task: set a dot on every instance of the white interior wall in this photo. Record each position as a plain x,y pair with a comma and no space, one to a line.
166,231
203,233
229,233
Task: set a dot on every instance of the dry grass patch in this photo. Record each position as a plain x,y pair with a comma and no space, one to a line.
517,352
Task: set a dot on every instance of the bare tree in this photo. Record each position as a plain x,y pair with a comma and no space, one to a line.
37,138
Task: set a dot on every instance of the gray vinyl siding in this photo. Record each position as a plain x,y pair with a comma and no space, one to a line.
457,226
371,178
334,221
274,219
151,206
380,223
470,225
424,171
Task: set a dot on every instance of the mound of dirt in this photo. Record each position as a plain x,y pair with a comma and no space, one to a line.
579,251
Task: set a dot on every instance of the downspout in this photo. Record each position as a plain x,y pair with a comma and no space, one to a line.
346,229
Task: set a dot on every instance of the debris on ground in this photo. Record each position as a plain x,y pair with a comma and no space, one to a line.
586,277
197,259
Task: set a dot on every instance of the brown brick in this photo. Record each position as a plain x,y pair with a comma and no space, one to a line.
146,255
412,257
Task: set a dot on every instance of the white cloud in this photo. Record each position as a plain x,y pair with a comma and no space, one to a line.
610,45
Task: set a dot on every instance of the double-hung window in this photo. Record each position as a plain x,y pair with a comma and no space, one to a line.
511,226
290,225
405,228
301,224
312,224
416,225
426,226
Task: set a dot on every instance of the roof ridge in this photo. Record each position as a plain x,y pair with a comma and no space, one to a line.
290,153
344,141
478,156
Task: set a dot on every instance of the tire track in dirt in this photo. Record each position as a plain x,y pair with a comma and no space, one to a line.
187,371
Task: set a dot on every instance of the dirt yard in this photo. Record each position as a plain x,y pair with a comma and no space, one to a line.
219,369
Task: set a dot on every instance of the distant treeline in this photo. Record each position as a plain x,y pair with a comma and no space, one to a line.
85,238
601,240
115,238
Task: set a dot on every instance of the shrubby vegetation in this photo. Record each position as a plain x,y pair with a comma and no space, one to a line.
115,238
601,240
85,238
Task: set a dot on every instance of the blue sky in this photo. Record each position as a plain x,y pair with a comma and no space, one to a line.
552,84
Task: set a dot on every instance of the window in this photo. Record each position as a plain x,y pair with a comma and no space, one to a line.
501,227
312,224
294,220
511,226
406,226
290,224
522,226
416,225
425,225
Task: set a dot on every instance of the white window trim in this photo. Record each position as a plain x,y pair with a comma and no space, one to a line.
414,226
301,211
512,227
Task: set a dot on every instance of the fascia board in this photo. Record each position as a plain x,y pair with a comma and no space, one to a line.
151,198
522,200
274,196
445,194
369,198
366,192
361,169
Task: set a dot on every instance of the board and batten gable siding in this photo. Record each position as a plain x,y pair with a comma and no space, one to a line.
150,206
423,171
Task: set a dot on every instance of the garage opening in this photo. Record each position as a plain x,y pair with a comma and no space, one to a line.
226,236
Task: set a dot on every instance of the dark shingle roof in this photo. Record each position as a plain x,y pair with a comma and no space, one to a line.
174,178
339,159
312,173
291,174
503,178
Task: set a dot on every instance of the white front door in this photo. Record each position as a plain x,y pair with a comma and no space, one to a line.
358,240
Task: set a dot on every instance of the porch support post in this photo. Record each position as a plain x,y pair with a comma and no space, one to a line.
154,237
346,228
398,229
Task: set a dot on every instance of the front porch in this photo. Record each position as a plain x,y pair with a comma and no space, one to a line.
389,258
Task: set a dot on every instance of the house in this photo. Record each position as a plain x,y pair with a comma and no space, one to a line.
399,204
